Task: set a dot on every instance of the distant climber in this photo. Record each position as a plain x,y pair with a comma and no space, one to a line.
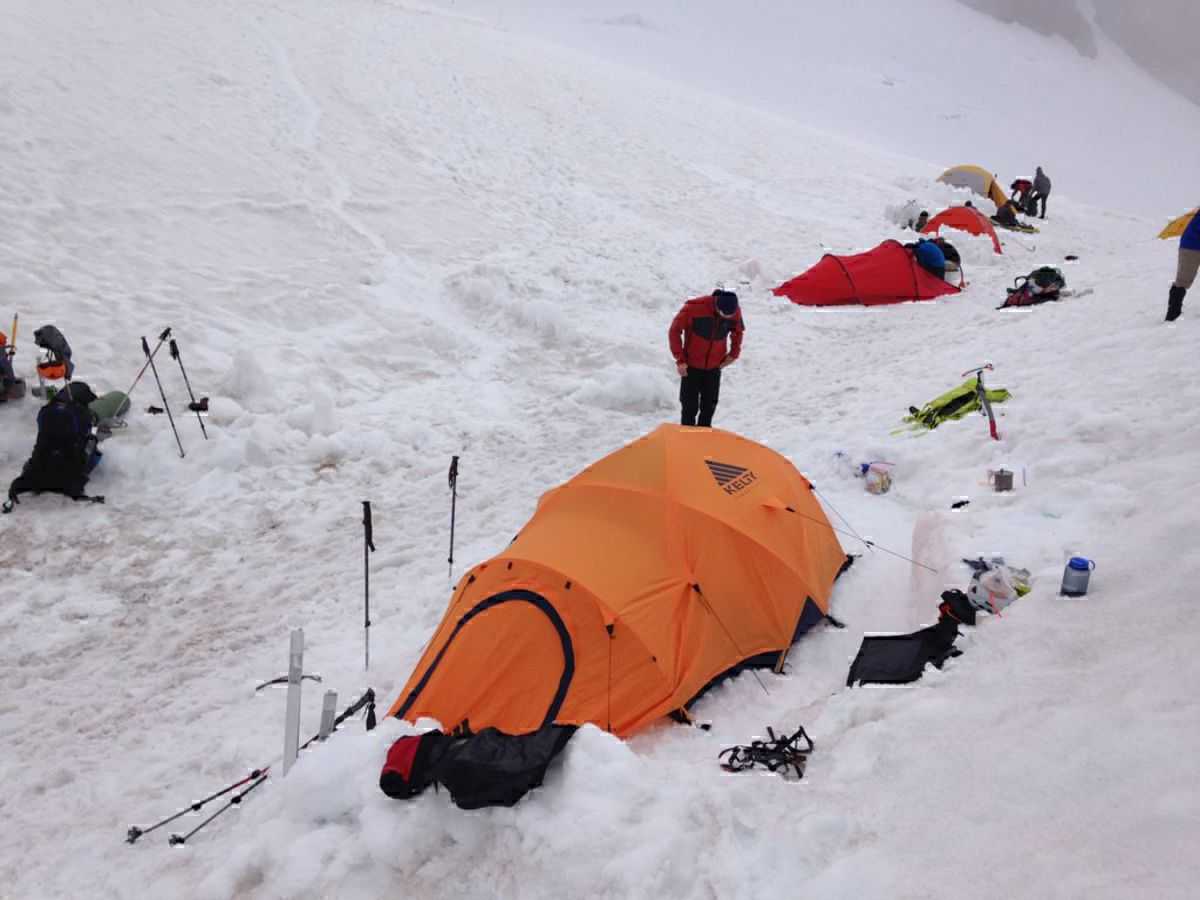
1041,191
1022,194
1006,215
65,452
1189,264
697,339
920,221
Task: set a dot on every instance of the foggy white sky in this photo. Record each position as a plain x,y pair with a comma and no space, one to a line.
1162,36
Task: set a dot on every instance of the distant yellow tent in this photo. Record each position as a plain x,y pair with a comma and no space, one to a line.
978,179
1176,226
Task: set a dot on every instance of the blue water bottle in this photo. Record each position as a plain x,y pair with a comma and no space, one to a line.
1076,576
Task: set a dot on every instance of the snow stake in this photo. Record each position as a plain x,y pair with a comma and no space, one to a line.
368,549
453,503
291,724
161,392
196,406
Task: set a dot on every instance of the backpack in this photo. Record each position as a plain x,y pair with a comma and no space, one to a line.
1042,284
490,768
64,452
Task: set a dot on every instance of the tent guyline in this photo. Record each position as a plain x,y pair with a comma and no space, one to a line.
738,650
254,779
869,543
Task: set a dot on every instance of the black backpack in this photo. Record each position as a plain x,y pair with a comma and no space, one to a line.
490,768
64,442
1042,284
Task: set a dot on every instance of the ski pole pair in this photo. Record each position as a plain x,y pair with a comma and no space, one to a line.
254,779
196,406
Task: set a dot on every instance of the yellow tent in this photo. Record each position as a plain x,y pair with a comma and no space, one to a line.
978,179
1177,225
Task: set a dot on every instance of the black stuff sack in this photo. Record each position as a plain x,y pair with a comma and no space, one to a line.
492,768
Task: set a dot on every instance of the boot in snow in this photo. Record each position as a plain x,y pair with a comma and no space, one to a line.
1175,302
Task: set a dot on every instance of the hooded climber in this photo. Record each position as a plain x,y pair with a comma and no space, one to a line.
1189,264
65,451
697,338
1041,192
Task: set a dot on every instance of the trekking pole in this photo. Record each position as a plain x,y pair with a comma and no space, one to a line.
453,504
161,392
194,406
368,549
162,337
11,350
135,832
176,840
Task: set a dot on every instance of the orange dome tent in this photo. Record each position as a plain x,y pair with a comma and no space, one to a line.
636,584
964,218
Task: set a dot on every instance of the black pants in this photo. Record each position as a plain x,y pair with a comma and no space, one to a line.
698,393
1039,198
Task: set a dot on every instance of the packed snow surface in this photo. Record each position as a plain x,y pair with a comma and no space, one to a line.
387,233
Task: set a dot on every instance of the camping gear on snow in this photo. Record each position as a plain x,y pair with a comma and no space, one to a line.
957,606
995,584
161,392
108,410
1177,226
11,387
784,754
368,549
254,779
977,179
485,769
878,476
676,560
954,404
964,218
888,273
453,482
65,451
196,406
1039,286
1076,576
901,658
57,364
1000,479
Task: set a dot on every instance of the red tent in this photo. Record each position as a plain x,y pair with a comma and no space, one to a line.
964,218
886,274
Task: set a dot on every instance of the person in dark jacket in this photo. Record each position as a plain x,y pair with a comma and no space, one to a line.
1189,265
697,338
1041,191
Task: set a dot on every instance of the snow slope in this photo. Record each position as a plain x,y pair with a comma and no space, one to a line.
383,235
930,78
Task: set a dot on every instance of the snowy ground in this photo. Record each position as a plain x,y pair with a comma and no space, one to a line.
384,235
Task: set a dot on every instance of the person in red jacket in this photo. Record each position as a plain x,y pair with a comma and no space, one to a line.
697,337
